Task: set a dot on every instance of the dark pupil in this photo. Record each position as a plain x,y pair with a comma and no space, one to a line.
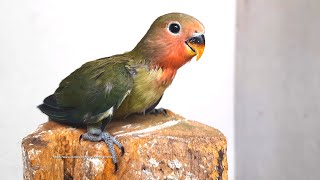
174,28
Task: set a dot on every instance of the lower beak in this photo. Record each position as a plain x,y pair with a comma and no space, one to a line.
197,44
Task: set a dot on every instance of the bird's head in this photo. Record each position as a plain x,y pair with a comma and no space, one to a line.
172,40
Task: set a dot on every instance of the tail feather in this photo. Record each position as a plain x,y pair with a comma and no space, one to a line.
54,111
51,101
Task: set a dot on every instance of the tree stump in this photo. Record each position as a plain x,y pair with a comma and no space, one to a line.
156,147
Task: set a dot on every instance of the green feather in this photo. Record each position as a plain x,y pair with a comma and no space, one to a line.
94,88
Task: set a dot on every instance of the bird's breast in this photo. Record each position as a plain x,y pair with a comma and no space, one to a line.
149,86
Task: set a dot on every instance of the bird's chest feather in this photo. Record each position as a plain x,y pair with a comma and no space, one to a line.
149,86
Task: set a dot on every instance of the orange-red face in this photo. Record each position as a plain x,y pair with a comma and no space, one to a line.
174,39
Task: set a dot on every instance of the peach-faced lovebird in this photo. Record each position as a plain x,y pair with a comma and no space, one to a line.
134,82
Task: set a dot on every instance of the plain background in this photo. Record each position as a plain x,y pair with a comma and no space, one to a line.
42,41
277,112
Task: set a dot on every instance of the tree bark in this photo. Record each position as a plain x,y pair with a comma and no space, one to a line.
156,147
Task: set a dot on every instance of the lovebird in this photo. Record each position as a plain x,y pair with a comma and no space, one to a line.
133,82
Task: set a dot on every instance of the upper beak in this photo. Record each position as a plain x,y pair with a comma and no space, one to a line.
197,44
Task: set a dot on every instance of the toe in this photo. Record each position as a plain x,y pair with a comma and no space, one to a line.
163,111
159,111
90,137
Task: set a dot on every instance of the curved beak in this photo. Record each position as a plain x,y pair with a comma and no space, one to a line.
196,43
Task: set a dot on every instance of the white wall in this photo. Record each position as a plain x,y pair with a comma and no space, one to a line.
43,41
277,113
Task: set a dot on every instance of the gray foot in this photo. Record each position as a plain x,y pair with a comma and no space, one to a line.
158,111
109,140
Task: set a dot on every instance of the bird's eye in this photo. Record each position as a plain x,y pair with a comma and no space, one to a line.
174,28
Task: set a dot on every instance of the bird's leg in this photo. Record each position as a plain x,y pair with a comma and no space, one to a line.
95,134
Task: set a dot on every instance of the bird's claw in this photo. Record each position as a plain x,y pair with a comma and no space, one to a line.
110,141
115,167
80,137
122,151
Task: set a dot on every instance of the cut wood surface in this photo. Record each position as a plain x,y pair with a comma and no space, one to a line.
156,147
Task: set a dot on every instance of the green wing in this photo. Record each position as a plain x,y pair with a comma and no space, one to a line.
91,93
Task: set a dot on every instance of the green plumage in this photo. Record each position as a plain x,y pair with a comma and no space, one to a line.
89,86
92,90
114,86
